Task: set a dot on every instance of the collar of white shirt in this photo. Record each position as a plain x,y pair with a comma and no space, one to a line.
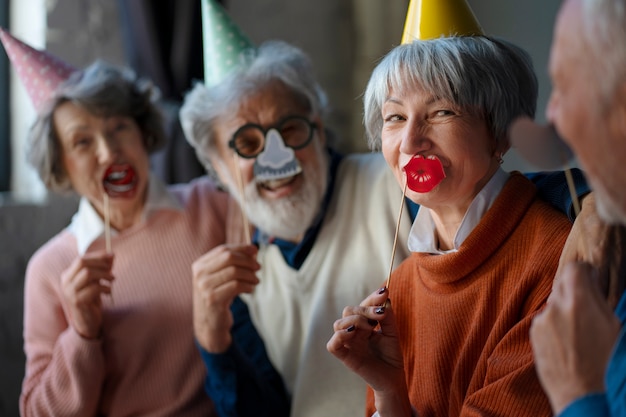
422,236
87,225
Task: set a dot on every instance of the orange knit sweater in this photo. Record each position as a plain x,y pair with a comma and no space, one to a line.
146,362
464,317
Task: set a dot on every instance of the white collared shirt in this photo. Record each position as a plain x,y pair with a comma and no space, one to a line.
422,237
87,225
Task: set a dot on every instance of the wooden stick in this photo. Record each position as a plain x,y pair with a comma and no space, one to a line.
107,231
572,191
574,196
107,223
395,239
576,203
246,225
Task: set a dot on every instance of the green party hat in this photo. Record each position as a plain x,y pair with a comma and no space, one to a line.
223,42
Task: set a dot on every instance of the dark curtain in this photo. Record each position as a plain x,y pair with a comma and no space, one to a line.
163,42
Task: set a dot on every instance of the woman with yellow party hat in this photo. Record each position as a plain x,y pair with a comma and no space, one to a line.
449,334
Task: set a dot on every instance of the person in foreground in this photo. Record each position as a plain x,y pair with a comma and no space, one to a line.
109,331
453,336
579,341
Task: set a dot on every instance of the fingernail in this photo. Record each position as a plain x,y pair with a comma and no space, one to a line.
351,328
372,322
379,310
382,290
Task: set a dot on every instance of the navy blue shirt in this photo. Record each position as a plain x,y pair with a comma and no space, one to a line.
242,381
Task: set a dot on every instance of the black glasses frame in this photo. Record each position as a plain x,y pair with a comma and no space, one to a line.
232,143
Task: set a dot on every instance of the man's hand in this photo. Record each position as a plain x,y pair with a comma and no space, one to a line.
219,276
572,339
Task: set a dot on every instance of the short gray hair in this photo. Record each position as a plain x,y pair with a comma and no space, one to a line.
604,31
490,78
272,61
103,90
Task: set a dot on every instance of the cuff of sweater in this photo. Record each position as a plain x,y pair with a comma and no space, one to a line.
413,413
588,405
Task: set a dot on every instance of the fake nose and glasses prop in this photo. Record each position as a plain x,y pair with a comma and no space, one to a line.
274,148
543,147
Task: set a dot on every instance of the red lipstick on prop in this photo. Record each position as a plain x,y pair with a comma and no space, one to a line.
423,173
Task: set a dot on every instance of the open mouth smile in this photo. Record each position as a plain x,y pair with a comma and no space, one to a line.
273,185
119,179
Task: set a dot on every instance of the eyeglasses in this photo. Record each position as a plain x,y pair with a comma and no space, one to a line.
249,140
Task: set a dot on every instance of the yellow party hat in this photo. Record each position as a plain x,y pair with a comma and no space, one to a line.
429,19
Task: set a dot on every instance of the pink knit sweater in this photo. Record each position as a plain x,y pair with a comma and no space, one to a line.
146,362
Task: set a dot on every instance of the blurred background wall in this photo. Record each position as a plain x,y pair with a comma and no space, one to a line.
345,38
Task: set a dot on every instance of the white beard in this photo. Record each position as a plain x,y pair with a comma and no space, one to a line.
289,217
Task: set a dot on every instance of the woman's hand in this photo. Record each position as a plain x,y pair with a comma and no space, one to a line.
219,276
371,352
83,284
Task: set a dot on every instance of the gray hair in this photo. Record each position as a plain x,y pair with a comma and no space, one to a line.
103,90
270,62
604,31
490,78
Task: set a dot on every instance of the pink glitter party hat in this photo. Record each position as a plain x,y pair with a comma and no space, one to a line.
40,72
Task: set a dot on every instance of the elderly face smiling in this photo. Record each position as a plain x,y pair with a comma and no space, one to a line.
286,207
417,123
104,155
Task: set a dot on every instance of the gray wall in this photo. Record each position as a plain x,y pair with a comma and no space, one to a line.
528,24
344,39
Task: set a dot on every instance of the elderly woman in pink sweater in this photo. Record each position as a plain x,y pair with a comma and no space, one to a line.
108,324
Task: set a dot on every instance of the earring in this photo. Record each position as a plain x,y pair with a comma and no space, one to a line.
500,160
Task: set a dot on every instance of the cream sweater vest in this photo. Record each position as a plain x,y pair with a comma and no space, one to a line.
294,310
